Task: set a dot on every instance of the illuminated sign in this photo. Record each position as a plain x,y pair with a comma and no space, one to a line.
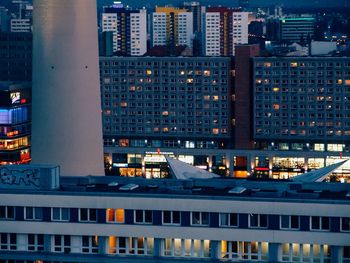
15,97
124,165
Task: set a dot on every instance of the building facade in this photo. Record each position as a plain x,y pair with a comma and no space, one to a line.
172,102
223,29
15,110
107,219
15,56
290,29
172,27
129,29
302,103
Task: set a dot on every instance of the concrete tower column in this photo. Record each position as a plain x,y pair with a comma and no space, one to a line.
66,118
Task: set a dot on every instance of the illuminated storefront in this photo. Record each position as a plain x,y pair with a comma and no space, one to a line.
14,123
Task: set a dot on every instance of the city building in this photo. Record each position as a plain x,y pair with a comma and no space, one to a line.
108,219
145,99
66,116
15,56
173,102
4,20
197,9
302,102
129,29
15,101
20,25
223,29
290,29
172,27
21,21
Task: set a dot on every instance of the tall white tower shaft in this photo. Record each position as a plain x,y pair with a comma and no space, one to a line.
66,113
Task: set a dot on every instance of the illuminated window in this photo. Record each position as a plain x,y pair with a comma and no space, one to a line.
165,113
276,89
347,82
319,147
165,129
149,72
293,64
267,64
132,88
115,215
215,131
123,104
335,147
206,72
339,81
131,245
215,98
176,247
276,106
124,143
206,97
182,72
247,250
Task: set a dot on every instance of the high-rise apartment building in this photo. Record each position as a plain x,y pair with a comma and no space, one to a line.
302,103
129,29
197,10
172,27
160,103
223,29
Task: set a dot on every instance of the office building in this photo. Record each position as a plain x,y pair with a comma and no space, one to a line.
290,29
172,27
129,29
106,219
66,124
223,29
15,100
15,56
